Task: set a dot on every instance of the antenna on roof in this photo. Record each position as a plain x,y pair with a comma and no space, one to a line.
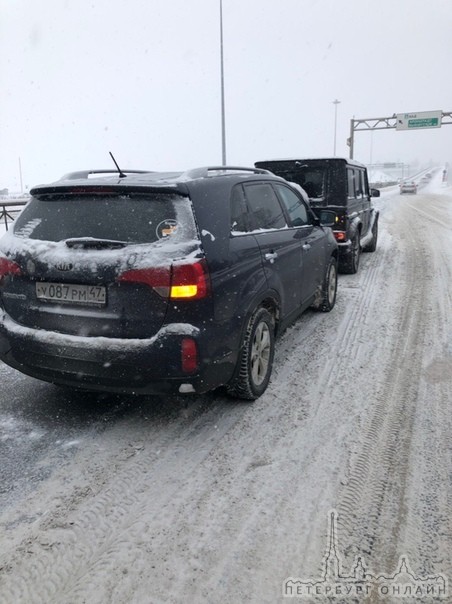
121,173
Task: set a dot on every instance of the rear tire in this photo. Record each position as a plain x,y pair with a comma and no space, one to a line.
351,264
255,362
373,244
327,296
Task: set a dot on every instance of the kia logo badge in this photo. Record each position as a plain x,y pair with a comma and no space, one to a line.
64,266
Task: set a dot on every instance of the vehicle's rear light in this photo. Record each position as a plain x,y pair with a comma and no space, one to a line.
159,278
8,267
189,355
190,281
340,235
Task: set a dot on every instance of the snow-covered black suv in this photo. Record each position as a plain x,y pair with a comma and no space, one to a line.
341,185
161,282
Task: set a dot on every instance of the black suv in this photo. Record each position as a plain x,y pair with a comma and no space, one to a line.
340,185
161,282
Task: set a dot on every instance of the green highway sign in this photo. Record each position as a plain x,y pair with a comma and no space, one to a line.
432,122
422,119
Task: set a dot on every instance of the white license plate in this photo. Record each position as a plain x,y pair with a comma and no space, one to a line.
71,292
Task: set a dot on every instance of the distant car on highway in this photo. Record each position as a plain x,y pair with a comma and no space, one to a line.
408,187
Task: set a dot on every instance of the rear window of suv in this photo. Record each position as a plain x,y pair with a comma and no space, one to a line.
128,218
311,178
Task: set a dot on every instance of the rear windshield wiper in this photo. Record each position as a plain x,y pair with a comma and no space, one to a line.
93,243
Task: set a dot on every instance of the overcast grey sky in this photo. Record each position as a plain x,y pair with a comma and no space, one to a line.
142,78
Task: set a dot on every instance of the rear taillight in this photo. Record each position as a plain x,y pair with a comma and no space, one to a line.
182,281
190,281
340,235
189,355
8,268
158,278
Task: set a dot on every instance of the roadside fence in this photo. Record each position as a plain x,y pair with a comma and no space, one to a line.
9,209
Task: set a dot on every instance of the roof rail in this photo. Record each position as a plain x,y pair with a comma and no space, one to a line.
86,173
204,172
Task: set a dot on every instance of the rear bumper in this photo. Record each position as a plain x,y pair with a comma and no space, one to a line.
344,250
345,247
147,366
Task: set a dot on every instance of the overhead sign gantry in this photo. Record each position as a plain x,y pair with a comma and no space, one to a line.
400,121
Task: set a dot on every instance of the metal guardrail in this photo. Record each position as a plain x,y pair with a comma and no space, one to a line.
9,209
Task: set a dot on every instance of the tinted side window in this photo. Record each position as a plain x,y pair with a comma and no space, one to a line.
264,206
360,183
365,183
240,218
296,209
354,186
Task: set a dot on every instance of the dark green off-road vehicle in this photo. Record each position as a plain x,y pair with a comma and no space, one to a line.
340,185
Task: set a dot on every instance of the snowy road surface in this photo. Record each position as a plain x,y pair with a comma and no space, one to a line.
208,500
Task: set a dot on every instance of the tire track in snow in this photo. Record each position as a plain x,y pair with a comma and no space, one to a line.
374,503
68,547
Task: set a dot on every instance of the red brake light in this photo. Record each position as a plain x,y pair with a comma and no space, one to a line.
340,235
158,278
189,355
181,281
190,281
8,267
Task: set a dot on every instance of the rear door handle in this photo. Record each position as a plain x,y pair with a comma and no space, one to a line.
271,256
306,246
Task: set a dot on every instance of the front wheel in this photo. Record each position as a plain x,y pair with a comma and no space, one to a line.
256,357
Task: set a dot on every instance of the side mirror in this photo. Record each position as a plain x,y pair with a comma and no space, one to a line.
374,193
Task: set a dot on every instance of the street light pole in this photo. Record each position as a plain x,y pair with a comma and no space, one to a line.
20,176
335,103
223,120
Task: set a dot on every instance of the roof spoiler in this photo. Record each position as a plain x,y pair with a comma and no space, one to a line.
204,172
84,174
